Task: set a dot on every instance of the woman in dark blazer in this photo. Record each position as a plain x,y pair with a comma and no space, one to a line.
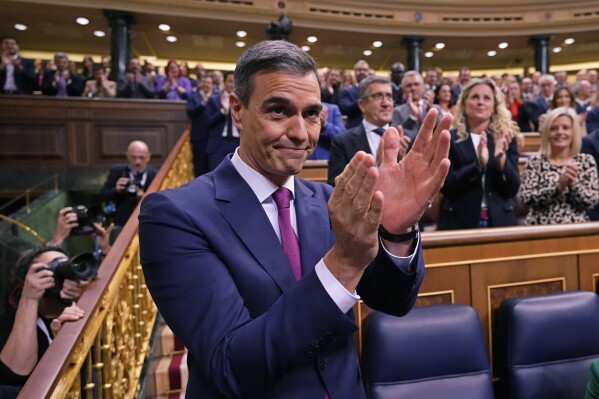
483,177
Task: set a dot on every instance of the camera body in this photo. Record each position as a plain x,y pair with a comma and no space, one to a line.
87,216
82,267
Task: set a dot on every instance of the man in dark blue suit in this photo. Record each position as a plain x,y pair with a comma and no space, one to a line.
590,145
17,75
261,290
376,103
331,124
223,135
348,103
197,111
127,183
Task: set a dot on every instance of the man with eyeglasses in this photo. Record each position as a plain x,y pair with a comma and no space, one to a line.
411,114
375,99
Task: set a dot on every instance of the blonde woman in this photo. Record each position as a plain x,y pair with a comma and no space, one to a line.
483,177
560,184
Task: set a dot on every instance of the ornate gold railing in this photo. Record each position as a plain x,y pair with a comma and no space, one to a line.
103,354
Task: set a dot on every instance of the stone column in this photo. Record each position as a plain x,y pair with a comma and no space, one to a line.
541,46
413,45
120,42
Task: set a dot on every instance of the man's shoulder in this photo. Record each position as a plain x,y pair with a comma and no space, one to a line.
349,133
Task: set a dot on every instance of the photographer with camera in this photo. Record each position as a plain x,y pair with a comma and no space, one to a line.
41,301
126,184
78,220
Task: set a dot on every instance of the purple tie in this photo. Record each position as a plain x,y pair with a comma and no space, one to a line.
288,238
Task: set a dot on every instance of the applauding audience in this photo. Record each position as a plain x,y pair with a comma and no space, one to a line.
560,184
483,176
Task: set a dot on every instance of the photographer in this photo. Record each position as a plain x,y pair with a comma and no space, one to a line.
126,184
67,220
36,316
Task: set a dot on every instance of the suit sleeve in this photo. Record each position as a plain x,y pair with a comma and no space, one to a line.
507,181
347,105
108,191
194,105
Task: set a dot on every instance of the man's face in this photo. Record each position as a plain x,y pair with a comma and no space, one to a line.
62,63
334,77
413,85
464,76
526,85
138,157
229,83
134,65
547,87
217,77
362,70
431,77
10,46
281,124
206,84
377,107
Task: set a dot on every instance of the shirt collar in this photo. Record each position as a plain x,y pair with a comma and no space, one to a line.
260,185
369,127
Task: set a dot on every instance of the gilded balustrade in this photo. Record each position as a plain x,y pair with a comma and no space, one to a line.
103,354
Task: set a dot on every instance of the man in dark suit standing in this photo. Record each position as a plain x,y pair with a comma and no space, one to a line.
376,104
348,103
257,271
223,135
61,82
17,75
196,109
126,184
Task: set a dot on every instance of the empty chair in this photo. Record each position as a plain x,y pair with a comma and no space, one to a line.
544,345
433,352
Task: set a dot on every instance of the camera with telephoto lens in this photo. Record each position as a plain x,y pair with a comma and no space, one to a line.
86,217
82,267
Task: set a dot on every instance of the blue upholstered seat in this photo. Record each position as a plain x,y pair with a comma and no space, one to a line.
544,345
433,352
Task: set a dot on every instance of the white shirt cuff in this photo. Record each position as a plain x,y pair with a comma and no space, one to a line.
402,262
344,299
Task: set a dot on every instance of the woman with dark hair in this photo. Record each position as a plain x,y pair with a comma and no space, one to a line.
560,183
483,176
36,316
87,72
443,98
173,86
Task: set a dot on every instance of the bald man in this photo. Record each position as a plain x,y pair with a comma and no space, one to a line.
126,184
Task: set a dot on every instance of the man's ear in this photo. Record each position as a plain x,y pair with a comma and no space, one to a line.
236,111
361,105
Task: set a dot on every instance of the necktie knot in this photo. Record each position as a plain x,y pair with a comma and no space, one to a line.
379,131
282,197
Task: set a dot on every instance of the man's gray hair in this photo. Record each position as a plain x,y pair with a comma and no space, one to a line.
270,55
366,82
409,74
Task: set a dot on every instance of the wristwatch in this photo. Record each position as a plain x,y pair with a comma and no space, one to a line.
403,237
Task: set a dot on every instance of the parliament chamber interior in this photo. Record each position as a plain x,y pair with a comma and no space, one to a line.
505,311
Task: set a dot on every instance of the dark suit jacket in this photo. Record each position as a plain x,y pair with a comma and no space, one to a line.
333,127
343,147
590,145
217,147
74,88
592,119
463,189
125,204
225,287
348,104
25,79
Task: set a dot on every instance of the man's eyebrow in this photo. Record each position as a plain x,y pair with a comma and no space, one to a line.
276,100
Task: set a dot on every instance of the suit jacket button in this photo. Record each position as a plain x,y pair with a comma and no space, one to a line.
322,364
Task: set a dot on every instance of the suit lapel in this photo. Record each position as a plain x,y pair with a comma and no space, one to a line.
245,215
313,225
360,141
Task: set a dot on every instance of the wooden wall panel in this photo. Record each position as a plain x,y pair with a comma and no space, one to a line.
33,142
589,270
82,132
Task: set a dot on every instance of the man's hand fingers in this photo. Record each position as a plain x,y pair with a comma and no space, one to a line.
390,145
